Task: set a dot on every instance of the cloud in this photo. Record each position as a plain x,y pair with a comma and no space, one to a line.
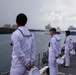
39,12
71,18
61,11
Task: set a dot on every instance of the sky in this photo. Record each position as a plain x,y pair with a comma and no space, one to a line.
58,13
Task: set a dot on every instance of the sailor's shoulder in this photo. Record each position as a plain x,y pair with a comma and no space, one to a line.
15,33
32,35
69,38
53,39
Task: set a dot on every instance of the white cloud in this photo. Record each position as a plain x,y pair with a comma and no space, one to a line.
61,11
71,18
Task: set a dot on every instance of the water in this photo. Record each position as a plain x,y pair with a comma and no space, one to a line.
5,48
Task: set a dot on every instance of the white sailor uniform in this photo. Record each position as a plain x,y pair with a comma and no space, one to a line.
24,50
54,51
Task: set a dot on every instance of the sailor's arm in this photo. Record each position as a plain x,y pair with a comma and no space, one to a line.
69,43
54,46
33,49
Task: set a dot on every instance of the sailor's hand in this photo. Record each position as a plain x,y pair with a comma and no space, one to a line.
71,49
59,56
29,67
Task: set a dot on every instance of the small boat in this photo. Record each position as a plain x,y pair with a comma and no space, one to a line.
72,30
48,27
58,30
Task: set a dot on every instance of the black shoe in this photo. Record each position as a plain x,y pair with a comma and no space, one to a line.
66,66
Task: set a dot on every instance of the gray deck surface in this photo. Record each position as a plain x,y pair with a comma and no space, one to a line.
71,70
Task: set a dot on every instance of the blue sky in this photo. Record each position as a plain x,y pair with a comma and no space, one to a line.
60,13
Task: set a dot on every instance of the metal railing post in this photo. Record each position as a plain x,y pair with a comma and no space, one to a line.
39,61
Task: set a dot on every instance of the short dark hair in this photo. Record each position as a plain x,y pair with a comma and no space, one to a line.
53,29
68,32
21,19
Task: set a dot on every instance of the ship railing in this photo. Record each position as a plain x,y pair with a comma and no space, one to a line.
38,63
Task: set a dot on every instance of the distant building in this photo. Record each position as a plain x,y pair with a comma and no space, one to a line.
7,26
14,26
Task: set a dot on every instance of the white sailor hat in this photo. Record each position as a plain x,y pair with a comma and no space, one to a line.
60,61
34,71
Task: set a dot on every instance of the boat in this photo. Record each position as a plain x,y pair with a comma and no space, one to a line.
48,27
72,30
58,30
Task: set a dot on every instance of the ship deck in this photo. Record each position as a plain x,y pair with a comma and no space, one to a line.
62,70
71,70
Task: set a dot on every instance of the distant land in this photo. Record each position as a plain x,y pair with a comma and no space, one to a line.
11,30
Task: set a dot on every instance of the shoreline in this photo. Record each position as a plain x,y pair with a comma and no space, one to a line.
10,30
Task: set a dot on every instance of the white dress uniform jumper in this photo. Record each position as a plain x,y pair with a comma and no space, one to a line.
24,50
68,47
54,51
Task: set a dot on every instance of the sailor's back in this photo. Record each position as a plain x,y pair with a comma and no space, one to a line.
23,46
25,43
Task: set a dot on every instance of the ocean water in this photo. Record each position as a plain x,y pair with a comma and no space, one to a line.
41,40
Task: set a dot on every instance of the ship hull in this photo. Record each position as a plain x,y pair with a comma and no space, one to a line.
73,33
58,32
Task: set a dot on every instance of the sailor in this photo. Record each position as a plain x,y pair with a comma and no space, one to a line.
68,47
23,46
54,52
